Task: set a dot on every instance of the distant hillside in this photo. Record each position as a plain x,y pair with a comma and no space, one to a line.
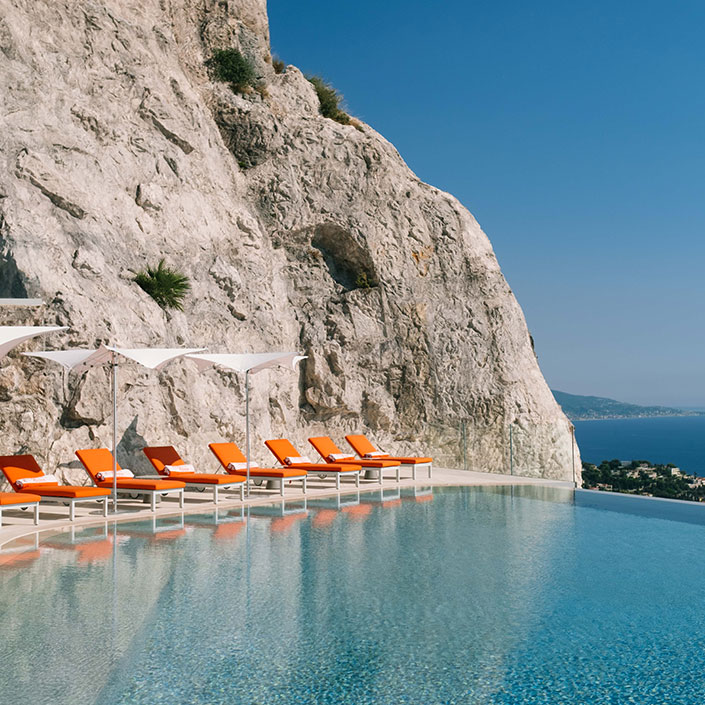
579,408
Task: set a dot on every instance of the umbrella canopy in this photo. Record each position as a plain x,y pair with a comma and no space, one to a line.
10,336
249,363
79,360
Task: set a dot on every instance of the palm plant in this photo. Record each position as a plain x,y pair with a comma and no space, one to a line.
165,285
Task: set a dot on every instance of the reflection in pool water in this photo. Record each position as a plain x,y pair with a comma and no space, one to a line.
465,595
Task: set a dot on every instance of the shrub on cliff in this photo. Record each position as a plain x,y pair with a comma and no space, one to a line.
165,285
329,100
230,66
278,65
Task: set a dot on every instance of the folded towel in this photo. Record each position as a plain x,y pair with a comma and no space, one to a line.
174,470
108,474
241,467
340,456
37,480
296,460
375,454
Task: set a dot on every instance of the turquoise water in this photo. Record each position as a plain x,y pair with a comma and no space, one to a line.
679,440
472,595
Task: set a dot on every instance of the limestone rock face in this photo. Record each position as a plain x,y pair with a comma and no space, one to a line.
118,149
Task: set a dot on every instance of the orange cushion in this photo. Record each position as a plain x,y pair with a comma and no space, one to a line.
360,444
412,461
161,456
276,472
96,460
10,498
370,463
313,468
227,453
282,448
325,446
68,491
17,467
134,483
206,478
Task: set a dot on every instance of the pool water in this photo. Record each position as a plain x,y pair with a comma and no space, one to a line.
465,595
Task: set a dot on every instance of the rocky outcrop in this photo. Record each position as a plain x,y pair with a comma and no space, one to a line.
117,149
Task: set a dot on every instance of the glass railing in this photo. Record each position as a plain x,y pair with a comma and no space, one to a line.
544,450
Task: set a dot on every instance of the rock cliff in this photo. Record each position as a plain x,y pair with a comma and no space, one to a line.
118,149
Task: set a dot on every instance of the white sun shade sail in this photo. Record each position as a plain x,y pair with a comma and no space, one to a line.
10,336
78,360
21,302
247,362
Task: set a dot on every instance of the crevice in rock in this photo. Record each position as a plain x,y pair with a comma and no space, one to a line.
348,263
11,279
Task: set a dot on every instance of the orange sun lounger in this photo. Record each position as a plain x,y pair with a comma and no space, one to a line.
332,454
288,456
20,500
167,462
233,461
25,476
366,450
99,461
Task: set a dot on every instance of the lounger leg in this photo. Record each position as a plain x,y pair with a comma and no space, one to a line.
72,511
304,482
105,507
337,481
242,492
281,487
215,494
181,499
36,513
430,465
154,501
357,480
413,472
398,474
0,517
379,475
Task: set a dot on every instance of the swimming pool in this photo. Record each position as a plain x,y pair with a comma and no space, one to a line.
465,595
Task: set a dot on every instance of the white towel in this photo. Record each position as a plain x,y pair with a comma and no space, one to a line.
108,474
375,454
241,467
340,456
38,480
168,469
296,460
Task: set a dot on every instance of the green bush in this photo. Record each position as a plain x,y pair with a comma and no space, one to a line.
329,100
165,285
362,281
231,66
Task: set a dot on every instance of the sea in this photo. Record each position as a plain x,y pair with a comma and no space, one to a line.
664,439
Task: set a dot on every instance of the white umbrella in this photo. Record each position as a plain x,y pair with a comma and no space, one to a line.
10,336
80,360
248,363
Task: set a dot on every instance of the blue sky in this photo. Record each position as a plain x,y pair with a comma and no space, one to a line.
575,133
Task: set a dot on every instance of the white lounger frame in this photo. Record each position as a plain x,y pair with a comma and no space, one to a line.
274,480
22,505
337,473
73,501
230,486
418,466
150,493
202,486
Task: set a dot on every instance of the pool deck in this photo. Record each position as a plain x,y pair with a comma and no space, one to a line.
54,517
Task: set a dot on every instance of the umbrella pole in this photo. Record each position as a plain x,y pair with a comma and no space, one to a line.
114,366
247,427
